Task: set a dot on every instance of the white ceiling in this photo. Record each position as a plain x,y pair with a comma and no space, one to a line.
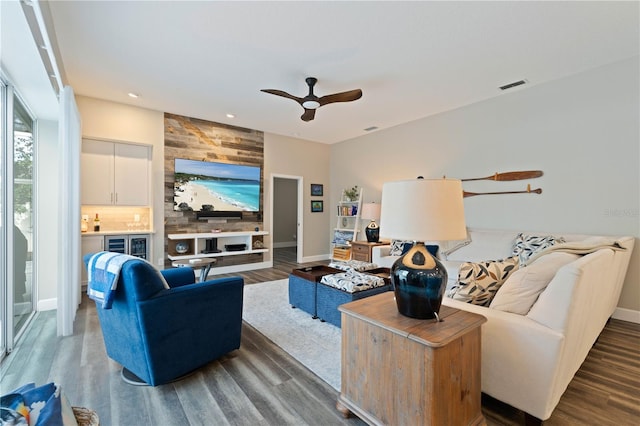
411,59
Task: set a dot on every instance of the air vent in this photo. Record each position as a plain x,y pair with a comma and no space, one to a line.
368,129
514,84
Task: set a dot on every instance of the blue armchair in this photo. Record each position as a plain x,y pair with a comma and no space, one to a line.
161,334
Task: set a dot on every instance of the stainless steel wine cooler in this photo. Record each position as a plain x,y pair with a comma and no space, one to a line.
135,245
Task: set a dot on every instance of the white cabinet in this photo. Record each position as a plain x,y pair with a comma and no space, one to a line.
90,244
114,173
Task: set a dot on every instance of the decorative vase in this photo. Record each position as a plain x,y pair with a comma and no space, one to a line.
419,281
372,231
182,247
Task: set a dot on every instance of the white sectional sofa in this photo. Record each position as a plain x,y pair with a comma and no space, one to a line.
528,359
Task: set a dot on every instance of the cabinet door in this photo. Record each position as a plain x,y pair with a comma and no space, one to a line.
96,184
90,244
131,175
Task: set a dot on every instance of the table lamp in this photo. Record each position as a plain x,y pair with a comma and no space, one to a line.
421,210
371,211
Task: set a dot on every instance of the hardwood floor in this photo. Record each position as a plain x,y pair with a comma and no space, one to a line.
261,384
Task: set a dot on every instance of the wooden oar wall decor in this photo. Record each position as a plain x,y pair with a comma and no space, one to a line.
508,176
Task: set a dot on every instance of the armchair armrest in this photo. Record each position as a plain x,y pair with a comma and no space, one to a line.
177,277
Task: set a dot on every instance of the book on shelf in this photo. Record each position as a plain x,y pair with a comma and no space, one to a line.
348,210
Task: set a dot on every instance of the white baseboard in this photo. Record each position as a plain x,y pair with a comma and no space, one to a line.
47,304
628,315
316,258
285,244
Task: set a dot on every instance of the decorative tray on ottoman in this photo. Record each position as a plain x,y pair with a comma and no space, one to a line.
384,273
315,273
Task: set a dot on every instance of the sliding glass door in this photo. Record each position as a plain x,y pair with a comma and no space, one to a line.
17,285
3,238
23,297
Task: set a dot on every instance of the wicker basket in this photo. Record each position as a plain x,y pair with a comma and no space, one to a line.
86,417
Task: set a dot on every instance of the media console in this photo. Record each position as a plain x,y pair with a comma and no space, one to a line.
220,244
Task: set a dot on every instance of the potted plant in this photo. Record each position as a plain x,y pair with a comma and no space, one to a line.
351,194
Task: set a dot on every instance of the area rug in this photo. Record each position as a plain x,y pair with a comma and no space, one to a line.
313,343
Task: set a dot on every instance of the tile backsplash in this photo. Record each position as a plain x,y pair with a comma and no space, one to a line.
118,218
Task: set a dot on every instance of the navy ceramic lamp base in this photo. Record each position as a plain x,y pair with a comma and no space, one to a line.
373,234
419,282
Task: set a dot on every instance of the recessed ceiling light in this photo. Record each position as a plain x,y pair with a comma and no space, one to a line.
231,116
133,95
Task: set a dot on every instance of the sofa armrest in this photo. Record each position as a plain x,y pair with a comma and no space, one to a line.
380,256
521,360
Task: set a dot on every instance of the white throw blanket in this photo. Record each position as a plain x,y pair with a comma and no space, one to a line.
104,270
580,247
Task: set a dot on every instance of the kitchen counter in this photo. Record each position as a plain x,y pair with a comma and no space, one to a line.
120,232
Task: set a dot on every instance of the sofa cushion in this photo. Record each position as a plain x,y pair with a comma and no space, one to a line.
527,245
521,290
397,247
478,282
481,245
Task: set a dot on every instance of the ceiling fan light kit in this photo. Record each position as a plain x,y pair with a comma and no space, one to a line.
311,102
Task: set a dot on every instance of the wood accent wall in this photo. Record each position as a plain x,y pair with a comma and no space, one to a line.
196,139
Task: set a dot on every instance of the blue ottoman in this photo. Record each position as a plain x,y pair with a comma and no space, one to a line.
302,287
335,290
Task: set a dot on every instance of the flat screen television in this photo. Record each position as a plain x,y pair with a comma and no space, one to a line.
206,186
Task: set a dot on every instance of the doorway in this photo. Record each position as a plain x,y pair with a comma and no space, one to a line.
286,213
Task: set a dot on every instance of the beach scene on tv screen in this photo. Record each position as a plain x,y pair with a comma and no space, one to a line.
212,186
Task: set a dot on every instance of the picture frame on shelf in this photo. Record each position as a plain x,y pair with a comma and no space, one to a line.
317,206
317,190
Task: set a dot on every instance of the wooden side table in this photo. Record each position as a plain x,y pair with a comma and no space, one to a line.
398,370
361,250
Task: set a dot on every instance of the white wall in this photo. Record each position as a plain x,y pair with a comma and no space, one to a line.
582,131
114,121
296,157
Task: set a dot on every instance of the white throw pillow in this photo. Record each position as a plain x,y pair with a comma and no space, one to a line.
521,290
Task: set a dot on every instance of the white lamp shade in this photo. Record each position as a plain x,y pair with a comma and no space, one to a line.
370,211
423,210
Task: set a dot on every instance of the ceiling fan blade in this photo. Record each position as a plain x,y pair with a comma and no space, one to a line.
349,96
308,115
283,94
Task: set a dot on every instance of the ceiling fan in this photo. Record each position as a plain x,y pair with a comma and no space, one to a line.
311,102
